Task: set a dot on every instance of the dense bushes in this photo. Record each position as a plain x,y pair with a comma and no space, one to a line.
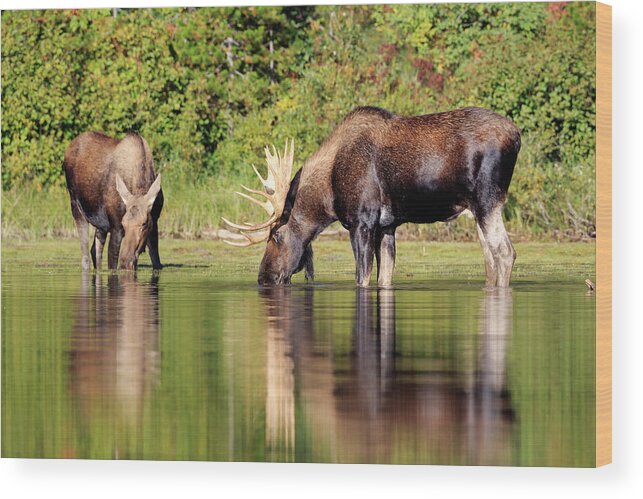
209,87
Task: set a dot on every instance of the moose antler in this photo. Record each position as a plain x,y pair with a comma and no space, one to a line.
276,186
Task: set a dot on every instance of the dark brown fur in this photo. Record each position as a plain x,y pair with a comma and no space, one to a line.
306,262
92,163
377,171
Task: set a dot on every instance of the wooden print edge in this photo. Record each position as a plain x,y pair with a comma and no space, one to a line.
603,234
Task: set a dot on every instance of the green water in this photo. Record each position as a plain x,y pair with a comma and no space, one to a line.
191,365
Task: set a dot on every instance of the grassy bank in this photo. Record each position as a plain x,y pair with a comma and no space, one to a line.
416,260
190,211
208,88
194,211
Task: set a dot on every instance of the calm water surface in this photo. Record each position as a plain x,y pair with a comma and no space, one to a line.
189,367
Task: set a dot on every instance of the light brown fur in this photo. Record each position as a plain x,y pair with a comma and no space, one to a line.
92,164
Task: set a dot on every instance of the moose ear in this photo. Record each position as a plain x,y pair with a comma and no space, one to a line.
124,192
153,191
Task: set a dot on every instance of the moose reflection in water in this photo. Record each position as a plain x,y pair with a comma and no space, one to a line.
114,359
374,402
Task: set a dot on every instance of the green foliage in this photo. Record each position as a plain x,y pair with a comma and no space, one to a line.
534,63
209,87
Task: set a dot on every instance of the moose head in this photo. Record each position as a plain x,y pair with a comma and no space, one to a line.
136,222
281,258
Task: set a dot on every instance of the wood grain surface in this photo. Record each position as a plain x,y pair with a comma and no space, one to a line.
603,234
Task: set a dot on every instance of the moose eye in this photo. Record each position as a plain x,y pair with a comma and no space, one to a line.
277,237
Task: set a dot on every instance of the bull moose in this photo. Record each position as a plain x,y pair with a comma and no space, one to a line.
113,186
378,170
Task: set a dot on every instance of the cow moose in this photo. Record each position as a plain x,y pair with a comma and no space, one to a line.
378,170
112,186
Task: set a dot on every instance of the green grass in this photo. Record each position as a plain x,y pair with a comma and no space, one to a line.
416,260
194,211
189,211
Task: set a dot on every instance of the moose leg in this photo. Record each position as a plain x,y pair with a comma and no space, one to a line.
113,249
153,246
309,270
362,240
385,255
97,248
489,262
499,245
83,233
